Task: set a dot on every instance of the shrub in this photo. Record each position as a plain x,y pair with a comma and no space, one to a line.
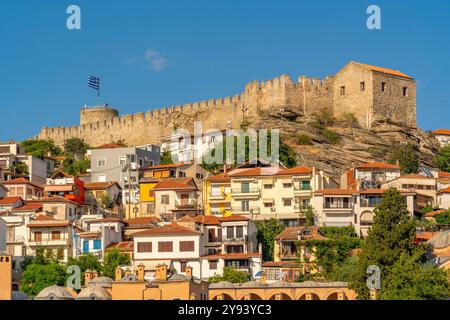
304,139
330,136
350,119
324,117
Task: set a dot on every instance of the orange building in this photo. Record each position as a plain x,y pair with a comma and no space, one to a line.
5,276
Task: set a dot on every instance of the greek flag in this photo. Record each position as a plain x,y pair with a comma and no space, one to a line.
94,83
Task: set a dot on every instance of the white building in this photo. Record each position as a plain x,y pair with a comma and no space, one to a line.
443,136
369,175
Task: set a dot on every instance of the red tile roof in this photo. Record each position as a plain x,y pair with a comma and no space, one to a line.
10,200
32,206
425,235
284,264
444,132
142,221
415,176
447,190
171,229
124,246
343,192
222,177
110,146
172,184
296,170
104,220
57,199
46,221
22,181
253,172
378,165
233,217
384,70
443,174
207,220
434,213
100,185
167,166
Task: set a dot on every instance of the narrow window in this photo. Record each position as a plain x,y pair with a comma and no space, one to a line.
383,86
362,86
343,91
405,91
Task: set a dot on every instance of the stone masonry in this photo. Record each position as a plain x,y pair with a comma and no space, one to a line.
369,92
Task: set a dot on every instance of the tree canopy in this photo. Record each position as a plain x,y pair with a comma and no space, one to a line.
442,159
267,231
406,156
231,275
41,148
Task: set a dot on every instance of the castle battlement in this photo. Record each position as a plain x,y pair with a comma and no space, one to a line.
341,93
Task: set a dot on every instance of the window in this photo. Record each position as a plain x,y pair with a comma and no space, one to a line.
56,235
306,185
38,236
268,204
383,86
287,202
268,186
101,162
343,91
144,247
29,192
230,232
150,208
101,178
405,91
122,160
165,199
199,176
97,244
239,232
287,185
187,246
20,191
165,246
181,174
183,265
362,86
213,265
12,191
245,187
245,206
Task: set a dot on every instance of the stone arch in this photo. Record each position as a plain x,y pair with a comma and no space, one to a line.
251,296
309,296
223,296
279,296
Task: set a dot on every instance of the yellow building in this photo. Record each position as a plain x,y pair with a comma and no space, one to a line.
133,285
147,196
5,276
217,195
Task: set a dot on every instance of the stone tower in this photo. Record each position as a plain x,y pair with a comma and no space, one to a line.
97,114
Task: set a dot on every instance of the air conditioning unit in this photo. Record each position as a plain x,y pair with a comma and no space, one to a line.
134,166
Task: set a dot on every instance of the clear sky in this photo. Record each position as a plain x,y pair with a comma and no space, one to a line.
152,53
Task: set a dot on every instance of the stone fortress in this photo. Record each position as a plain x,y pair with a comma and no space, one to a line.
371,93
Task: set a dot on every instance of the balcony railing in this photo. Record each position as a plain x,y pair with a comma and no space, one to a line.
245,192
302,188
46,242
216,196
15,239
337,206
250,210
188,203
242,239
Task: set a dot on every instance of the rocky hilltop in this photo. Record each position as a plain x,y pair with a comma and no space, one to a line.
355,144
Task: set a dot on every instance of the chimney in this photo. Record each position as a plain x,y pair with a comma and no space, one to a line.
127,272
87,277
141,272
161,272
189,272
118,274
263,278
397,163
94,274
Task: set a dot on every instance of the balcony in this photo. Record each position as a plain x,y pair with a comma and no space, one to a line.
289,255
213,241
44,242
249,210
15,239
245,193
216,196
243,239
302,189
191,203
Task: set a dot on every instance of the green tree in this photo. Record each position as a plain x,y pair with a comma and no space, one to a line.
112,260
106,202
37,277
406,156
442,159
20,168
267,231
75,167
41,148
409,280
392,234
166,158
308,214
443,218
86,262
75,147
231,275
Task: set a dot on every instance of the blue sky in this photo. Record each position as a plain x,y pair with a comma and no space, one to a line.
158,53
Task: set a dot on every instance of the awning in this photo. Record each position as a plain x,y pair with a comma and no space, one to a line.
268,200
62,188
